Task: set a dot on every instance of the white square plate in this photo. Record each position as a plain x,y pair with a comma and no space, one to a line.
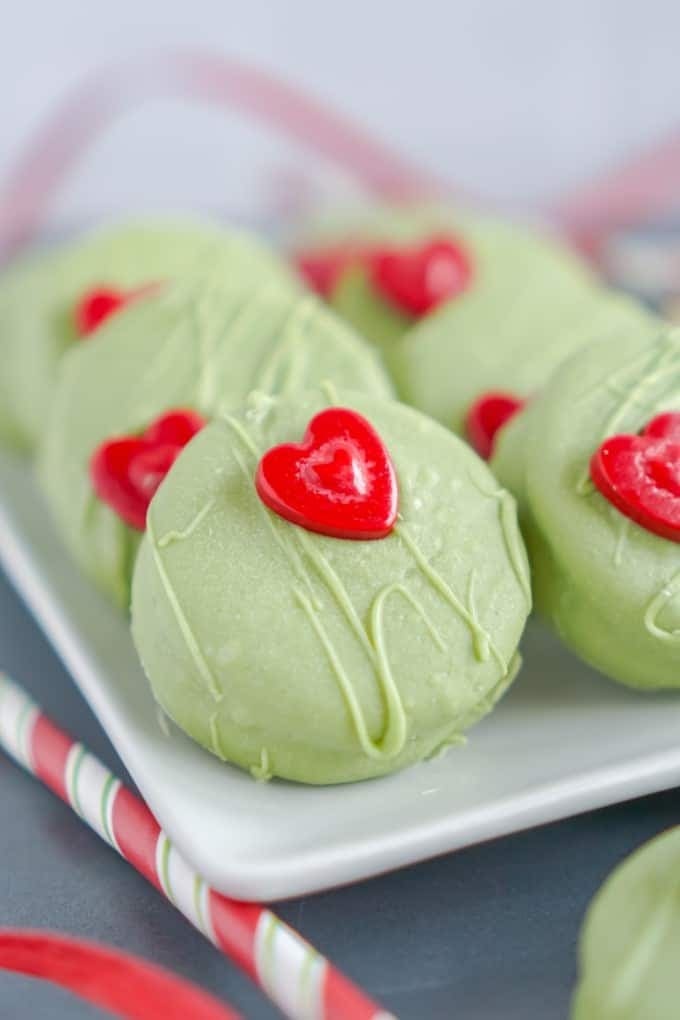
563,740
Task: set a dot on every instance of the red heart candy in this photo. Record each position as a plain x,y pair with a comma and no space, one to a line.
640,475
96,306
126,472
339,480
419,278
321,270
100,303
174,428
487,416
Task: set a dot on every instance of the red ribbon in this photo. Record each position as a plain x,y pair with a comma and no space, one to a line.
643,187
74,126
123,984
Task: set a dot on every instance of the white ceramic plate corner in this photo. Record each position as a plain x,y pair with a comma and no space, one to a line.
563,740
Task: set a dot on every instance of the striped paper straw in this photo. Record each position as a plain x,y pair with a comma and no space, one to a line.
302,983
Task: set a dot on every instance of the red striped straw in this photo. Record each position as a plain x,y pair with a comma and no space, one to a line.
118,982
302,983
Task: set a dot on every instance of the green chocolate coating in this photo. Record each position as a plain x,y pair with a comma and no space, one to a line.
631,938
508,460
610,587
202,344
320,659
39,295
614,318
529,309
529,305
354,298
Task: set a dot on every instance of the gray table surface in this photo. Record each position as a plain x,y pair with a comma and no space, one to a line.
488,933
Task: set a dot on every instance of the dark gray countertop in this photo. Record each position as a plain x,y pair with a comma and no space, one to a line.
486,934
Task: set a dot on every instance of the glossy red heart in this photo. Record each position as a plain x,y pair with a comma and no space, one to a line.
417,279
486,418
321,269
126,471
338,481
100,303
640,475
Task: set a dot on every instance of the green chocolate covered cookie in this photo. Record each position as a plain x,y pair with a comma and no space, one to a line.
508,458
323,659
631,938
353,294
202,345
528,310
40,295
607,578
614,317
527,303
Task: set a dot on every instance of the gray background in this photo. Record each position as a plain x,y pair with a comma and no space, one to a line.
485,934
515,100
